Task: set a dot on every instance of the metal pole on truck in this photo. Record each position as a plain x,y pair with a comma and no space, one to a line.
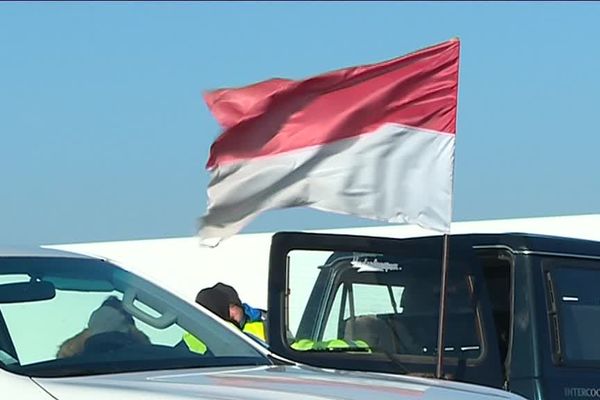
439,370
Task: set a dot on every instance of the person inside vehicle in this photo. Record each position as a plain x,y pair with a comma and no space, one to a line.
109,328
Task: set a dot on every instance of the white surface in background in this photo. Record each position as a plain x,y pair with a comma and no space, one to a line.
182,266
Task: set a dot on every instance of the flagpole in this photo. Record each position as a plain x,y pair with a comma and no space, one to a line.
439,371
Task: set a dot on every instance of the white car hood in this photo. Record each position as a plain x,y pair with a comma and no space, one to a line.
261,383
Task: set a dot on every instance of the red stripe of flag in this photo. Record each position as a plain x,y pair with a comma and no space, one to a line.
279,115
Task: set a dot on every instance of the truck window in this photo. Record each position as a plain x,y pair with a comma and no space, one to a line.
573,294
368,300
384,304
376,299
497,266
303,275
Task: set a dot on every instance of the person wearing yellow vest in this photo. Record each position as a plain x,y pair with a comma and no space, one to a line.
223,301
250,320
217,303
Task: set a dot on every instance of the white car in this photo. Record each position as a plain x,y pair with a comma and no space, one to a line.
75,327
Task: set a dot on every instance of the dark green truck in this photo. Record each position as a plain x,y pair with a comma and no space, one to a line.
522,311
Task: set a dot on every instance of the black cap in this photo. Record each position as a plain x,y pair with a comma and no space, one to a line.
214,300
229,292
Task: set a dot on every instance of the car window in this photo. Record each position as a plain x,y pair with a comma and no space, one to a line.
69,316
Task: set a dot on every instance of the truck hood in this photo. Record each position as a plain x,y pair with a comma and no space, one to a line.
261,383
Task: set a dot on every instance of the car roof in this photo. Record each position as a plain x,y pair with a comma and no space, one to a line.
38,252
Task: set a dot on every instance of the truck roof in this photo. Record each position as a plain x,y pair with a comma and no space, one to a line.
537,243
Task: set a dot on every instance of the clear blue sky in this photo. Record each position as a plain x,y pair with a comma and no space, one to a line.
104,133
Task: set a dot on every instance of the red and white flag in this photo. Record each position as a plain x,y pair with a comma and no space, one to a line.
374,141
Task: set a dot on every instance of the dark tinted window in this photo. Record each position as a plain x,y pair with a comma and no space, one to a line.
577,298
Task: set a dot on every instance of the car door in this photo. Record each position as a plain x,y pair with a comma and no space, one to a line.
372,304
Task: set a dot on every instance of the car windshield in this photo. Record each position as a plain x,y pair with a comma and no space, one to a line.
63,316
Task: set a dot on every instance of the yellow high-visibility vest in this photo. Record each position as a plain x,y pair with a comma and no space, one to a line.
256,329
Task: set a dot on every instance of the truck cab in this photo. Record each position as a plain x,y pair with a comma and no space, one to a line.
522,310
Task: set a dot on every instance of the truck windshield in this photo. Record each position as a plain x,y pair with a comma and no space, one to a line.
379,304
577,300
76,316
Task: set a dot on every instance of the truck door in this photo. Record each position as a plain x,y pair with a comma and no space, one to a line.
372,304
571,367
